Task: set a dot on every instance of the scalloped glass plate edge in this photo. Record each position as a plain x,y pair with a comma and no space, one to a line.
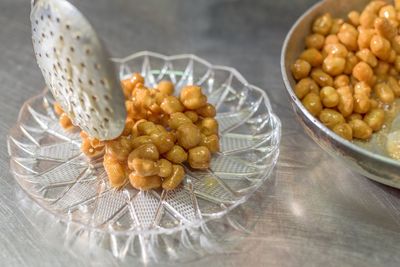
46,161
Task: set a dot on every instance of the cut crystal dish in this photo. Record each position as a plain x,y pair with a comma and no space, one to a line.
47,162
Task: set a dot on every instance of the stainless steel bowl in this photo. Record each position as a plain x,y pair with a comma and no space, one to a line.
374,166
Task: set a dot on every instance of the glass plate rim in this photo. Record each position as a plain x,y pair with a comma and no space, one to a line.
197,223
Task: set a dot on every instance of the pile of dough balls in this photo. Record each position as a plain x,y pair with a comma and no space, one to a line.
161,133
349,72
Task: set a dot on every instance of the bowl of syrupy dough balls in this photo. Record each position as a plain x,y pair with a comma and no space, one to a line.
341,67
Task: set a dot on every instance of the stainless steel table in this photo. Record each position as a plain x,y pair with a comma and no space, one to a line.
312,212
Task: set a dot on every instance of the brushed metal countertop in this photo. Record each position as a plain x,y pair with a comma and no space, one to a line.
311,212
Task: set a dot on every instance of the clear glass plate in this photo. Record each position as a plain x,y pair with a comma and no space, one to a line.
47,163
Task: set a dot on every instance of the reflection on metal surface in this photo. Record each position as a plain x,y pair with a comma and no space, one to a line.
297,209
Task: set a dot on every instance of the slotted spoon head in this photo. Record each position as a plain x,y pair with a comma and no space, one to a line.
77,69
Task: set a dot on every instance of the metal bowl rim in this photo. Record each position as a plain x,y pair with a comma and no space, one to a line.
307,114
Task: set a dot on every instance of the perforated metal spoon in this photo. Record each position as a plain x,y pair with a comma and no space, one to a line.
77,69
